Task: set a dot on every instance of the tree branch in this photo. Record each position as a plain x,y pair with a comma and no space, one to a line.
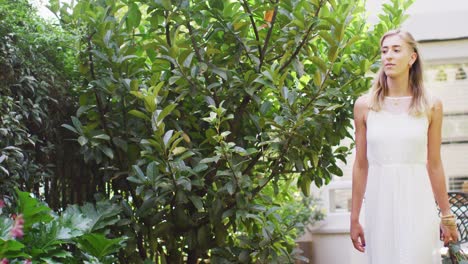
252,163
245,4
167,30
274,172
267,39
96,94
275,58
303,41
228,163
246,99
168,34
194,43
199,56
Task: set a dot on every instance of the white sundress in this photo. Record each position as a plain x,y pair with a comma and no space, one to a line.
401,217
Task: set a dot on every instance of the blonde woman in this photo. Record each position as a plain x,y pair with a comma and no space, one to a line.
398,168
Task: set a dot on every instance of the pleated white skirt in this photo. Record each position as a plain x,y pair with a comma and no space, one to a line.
401,218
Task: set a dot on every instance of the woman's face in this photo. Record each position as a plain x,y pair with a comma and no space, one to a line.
397,56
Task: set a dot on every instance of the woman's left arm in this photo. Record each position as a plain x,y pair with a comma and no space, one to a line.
436,173
435,168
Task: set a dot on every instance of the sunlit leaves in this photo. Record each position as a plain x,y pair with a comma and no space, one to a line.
166,4
99,246
133,15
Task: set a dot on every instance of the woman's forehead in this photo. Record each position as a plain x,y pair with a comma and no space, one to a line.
393,40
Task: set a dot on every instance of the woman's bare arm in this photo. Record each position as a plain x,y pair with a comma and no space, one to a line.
435,167
435,170
360,163
359,173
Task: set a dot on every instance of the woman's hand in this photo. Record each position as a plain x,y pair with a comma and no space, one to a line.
449,234
357,236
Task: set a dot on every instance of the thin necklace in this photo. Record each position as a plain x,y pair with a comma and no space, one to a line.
397,99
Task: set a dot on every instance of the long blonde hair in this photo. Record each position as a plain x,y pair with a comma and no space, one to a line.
420,103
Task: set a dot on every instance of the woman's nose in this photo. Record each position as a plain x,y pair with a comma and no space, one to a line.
388,55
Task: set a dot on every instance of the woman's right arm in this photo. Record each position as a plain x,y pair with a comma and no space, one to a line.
359,172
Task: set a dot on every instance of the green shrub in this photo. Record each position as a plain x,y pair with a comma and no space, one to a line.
32,231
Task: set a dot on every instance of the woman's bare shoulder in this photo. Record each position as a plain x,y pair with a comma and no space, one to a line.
362,104
436,110
436,104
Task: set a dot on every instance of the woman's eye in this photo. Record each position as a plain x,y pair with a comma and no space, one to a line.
397,50
384,51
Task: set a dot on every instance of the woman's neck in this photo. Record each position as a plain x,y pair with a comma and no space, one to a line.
398,86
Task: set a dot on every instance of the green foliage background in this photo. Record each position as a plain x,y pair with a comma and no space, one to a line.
201,119
35,80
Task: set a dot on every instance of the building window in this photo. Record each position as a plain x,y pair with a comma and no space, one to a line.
340,200
461,74
458,184
441,76
455,128
446,72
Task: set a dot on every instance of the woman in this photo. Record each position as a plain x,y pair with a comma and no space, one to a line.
398,164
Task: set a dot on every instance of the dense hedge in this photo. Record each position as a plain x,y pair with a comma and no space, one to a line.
37,76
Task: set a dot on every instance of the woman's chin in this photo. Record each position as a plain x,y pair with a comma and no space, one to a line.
391,74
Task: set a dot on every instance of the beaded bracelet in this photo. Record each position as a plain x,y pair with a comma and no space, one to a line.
448,216
449,224
448,221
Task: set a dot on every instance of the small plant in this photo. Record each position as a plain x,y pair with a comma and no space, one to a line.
455,255
33,232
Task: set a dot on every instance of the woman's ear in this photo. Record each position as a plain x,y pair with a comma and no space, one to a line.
414,57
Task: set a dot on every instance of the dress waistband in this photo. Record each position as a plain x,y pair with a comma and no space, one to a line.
396,164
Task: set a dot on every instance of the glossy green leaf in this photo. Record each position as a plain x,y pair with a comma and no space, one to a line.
164,3
139,114
133,15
